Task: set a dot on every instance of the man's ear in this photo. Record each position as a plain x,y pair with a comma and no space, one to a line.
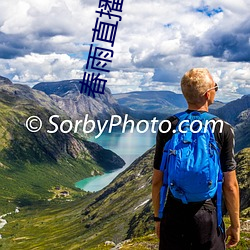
207,95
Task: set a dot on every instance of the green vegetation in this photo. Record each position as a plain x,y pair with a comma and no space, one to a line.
32,184
244,235
121,211
32,163
243,175
150,242
113,214
57,225
49,225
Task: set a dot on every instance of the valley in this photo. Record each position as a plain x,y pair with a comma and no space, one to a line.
38,171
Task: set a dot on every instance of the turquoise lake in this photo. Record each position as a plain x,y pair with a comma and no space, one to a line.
129,146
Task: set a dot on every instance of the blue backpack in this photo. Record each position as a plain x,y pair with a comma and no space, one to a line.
191,162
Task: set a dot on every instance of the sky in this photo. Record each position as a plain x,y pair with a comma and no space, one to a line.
156,42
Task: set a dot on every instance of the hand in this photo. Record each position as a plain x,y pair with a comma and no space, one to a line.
157,228
233,236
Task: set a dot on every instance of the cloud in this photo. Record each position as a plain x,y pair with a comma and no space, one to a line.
156,42
43,27
34,68
231,45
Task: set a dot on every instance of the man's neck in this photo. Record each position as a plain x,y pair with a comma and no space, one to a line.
198,107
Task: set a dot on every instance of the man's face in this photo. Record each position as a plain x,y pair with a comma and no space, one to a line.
211,93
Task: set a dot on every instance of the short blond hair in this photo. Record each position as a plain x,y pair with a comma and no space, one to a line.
195,83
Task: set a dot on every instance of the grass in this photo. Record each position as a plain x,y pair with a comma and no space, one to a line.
51,225
150,242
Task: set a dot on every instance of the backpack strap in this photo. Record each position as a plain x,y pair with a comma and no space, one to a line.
164,188
219,200
163,194
164,169
209,116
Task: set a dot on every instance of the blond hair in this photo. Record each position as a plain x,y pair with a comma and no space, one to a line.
195,83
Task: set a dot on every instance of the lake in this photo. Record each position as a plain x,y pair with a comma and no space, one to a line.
129,146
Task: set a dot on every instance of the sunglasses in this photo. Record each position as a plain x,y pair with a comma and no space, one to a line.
216,87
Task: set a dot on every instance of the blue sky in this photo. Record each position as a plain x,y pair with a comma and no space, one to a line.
156,42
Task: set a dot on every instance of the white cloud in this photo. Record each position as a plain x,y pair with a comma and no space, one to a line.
35,68
156,42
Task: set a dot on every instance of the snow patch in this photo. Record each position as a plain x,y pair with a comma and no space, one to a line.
2,223
143,186
142,204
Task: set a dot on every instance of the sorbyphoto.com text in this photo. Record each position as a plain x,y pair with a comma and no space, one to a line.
88,126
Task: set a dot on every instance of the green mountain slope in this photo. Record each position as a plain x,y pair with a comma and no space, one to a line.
243,175
33,163
123,210
106,215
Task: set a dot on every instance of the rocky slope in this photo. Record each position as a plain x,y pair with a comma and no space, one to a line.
242,130
237,114
243,175
67,96
4,80
232,110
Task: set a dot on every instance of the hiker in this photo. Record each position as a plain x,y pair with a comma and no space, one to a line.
188,222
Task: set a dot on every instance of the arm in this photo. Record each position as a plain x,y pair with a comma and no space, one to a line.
230,185
156,187
231,195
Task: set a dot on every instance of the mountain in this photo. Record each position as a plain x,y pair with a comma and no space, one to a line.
232,110
139,100
242,130
32,163
122,210
67,97
237,114
4,80
243,175
149,104
216,105
106,215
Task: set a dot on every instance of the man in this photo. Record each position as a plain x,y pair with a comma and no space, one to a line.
194,225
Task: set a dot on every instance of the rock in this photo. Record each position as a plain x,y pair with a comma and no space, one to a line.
4,80
109,243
